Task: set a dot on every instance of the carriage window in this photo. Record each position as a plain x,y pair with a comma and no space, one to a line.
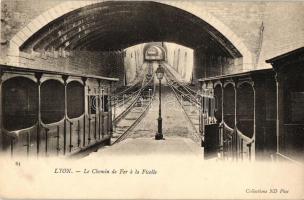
297,106
75,99
229,105
294,105
52,101
20,103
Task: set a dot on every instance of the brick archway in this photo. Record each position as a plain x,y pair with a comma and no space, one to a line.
45,18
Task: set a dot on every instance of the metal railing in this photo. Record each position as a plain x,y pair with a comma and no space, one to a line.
234,144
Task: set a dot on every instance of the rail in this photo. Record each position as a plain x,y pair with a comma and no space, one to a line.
136,97
129,97
136,83
123,100
197,133
125,91
189,93
126,132
185,95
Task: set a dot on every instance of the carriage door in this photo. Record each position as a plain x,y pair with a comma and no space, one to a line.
211,137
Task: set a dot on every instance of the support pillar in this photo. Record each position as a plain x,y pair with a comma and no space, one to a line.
84,79
280,109
110,108
109,113
89,115
99,108
65,78
221,129
102,112
235,135
38,77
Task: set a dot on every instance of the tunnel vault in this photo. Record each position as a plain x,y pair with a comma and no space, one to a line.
115,25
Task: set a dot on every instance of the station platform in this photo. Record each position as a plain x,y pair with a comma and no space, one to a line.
149,146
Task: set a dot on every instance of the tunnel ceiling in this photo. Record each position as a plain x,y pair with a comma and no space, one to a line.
117,25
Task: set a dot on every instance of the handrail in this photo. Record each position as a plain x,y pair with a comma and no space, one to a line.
69,121
44,127
239,133
244,137
16,133
53,124
227,127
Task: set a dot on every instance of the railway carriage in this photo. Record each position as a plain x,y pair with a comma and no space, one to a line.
258,114
48,113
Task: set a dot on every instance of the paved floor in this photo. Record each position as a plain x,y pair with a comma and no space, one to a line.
150,147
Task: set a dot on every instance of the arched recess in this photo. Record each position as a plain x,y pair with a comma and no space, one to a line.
245,109
159,48
52,101
20,103
229,105
75,99
220,32
155,53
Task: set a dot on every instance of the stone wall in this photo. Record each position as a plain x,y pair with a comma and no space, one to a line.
181,59
109,64
133,62
207,64
16,14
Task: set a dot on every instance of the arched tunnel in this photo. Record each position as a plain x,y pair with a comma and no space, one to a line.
112,26
115,25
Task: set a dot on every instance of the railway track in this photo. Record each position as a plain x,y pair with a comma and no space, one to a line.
136,109
182,87
189,102
122,100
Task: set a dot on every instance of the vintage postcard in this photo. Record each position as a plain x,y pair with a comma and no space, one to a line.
164,99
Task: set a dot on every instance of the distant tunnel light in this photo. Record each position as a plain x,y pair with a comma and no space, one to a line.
155,53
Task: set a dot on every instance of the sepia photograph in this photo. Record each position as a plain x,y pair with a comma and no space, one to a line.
164,99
